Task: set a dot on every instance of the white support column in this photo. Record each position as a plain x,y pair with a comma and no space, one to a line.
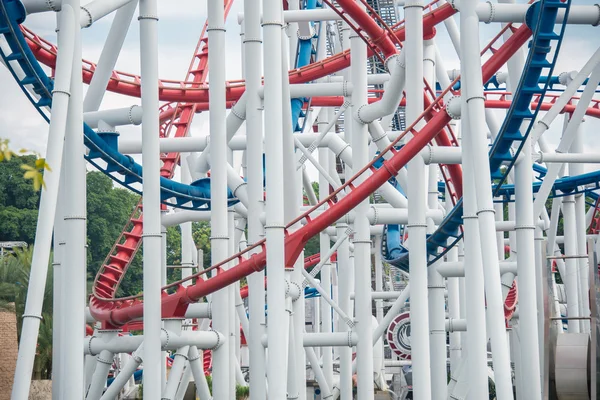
292,202
326,325
378,277
473,97
48,205
455,348
277,315
475,339
344,289
222,379
417,203
58,299
582,262
148,18
528,311
362,238
436,284
254,159
75,265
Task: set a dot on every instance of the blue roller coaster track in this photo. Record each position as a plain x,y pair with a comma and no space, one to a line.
541,18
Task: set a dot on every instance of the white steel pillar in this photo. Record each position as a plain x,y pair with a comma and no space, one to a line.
582,261
473,96
378,277
277,318
528,311
58,299
151,198
254,160
436,284
75,230
475,339
222,379
47,210
362,238
417,203
326,325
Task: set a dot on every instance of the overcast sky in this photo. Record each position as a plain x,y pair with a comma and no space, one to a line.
179,27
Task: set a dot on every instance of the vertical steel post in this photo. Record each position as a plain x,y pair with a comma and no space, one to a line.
362,237
473,97
274,228
47,210
218,187
148,17
417,203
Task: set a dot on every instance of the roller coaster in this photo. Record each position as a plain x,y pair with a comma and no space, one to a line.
441,271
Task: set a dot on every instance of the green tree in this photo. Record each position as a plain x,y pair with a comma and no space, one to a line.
108,210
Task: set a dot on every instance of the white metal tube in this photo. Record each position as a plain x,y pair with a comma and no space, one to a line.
378,277
362,242
223,382
417,225
151,198
103,364
441,155
457,268
473,97
319,376
528,310
475,342
581,226
455,349
115,117
571,268
571,158
486,12
185,381
254,132
436,282
197,367
97,9
169,340
128,370
59,277
176,373
388,103
324,242
75,228
108,57
317,89
47,210
345,287
507,13
277,323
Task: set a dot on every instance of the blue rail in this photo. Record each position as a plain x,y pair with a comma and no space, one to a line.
541,18
103,153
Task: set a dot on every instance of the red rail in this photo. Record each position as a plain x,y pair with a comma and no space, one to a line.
176,297
183,91
175,122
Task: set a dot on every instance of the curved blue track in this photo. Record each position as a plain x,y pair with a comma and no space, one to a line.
541,18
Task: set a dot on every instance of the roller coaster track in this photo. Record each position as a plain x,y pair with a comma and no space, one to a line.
115,266
177,296
175,300
541,17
